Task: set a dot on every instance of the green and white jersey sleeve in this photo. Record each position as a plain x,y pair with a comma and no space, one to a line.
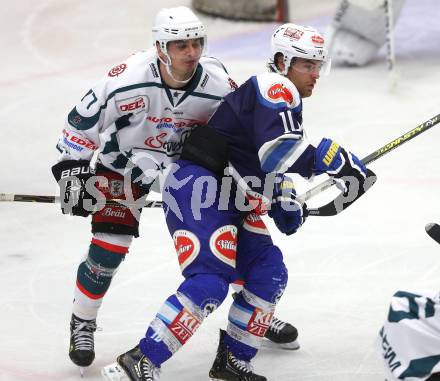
137,123
409,341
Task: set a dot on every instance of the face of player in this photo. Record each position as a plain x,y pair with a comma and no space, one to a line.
185,56
304,75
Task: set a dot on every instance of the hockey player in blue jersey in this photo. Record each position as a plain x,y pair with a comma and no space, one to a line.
214,219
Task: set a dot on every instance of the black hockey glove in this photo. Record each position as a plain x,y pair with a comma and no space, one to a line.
72,176
286,211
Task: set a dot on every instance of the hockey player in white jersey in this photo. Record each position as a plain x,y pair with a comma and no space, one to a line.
409,341
134,121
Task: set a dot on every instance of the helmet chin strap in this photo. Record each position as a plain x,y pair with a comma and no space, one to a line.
168,66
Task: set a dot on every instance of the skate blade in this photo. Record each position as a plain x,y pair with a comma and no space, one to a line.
82,370
114,372
292,346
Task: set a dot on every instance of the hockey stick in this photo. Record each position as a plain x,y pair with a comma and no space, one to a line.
433,231
336,206
56,199
326,210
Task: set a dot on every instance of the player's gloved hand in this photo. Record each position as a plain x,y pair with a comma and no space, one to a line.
344,166
71,176
286,211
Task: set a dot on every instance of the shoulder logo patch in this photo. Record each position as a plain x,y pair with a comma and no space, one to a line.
117,70
278,92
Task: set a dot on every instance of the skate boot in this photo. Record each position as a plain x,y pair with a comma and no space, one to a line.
133,366
283,334
81,350
227,367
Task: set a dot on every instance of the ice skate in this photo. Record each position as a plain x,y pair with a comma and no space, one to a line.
281,334
81,349
227,367
131,366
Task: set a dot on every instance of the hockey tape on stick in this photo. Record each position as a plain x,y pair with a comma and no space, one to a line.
327,210
433,231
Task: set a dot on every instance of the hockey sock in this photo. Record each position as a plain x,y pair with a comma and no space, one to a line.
181,315
94,277
249,319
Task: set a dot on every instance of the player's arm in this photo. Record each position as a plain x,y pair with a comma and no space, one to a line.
78,142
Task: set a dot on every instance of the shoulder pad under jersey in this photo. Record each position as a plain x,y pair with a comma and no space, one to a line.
217,71
276,91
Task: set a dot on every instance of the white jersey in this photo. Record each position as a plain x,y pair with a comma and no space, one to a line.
409,341
136,121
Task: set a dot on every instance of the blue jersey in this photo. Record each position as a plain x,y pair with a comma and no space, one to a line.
262,122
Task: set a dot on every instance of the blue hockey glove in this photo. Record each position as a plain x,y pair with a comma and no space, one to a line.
286,211
344,166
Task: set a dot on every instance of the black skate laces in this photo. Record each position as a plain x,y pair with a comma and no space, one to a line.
146,369
241,365
276,325
82,334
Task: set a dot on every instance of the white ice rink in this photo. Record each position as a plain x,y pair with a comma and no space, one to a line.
342,270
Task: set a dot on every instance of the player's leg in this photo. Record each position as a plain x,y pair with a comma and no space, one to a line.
282,334
265,277
208,269
113,229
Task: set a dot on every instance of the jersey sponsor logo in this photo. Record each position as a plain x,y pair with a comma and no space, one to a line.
223,244
117,70
184,325
255,224
137,104
318,39
78,143
110,212
293,34
187,247
259,322
173,124
160,142
233,85
280,93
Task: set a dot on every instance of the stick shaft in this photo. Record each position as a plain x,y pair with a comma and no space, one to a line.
377,154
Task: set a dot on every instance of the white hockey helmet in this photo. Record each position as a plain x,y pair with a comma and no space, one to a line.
298,41
179,23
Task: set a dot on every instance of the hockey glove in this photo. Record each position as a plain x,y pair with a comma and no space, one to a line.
345,167
286,211
71,176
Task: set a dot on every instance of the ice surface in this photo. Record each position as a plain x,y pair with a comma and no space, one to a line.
342,270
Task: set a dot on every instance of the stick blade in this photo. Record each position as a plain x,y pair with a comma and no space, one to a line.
433,231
